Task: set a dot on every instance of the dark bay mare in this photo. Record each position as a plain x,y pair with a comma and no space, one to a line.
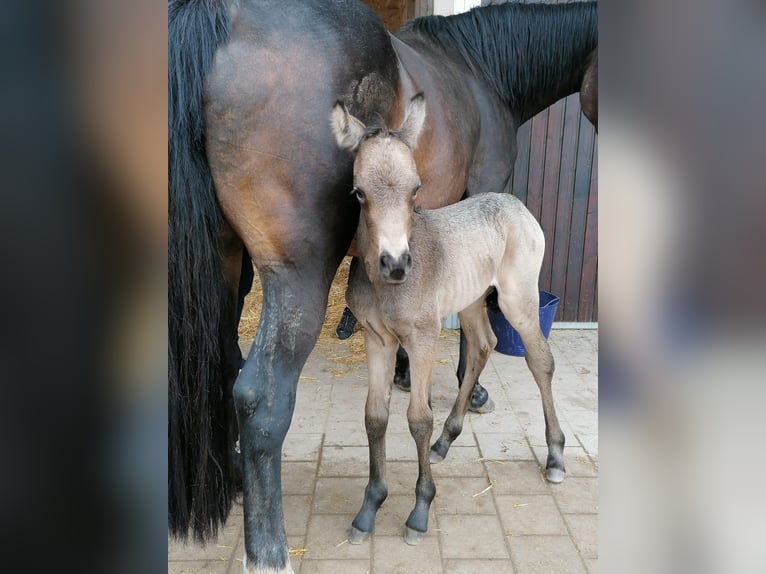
416,266
253,164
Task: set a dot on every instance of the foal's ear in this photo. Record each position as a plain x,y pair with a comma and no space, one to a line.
348,130
414,118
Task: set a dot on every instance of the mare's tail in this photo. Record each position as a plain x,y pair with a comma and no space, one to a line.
200,465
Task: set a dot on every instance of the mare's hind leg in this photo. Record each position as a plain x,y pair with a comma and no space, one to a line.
381,354
294,300
421,348
519,301
480,340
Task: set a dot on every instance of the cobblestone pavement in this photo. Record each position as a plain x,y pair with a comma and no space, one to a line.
521,524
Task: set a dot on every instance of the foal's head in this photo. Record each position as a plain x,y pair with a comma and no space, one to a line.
385,183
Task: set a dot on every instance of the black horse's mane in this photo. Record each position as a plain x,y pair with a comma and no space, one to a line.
498,41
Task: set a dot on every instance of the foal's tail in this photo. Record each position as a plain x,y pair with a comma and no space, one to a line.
200,473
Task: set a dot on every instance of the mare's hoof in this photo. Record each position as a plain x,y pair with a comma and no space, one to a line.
413,537
480,401
402,381
435,457
346,325
357,536
554,475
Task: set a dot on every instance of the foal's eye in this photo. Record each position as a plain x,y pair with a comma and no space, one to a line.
359,193
415,191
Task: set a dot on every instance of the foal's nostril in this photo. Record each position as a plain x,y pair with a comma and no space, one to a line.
385,262
407,260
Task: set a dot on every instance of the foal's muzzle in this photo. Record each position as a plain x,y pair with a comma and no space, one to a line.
394,269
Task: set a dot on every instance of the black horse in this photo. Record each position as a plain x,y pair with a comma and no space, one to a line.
253,164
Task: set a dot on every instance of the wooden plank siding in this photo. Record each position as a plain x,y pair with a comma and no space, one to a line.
556,175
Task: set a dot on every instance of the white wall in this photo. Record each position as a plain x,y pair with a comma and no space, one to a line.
448,7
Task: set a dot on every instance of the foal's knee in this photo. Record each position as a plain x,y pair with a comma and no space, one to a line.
375,422
421,424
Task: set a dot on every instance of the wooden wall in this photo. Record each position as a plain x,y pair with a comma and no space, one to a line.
394,13
556,174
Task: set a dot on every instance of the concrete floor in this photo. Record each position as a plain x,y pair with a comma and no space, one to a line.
522,524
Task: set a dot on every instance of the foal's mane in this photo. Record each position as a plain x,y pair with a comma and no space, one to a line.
381,130
499,41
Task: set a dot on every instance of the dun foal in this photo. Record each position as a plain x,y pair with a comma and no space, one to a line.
418,266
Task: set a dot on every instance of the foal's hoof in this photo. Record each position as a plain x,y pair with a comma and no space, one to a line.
554,475
480,401
413,537
435,457
357,536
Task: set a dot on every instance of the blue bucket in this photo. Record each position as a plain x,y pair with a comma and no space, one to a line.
508,340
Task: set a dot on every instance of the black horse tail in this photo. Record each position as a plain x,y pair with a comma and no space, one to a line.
200,462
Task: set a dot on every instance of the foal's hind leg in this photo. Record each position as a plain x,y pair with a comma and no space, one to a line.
520,305
381,354
480,340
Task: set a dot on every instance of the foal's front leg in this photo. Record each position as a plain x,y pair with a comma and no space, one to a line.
381,354
421,347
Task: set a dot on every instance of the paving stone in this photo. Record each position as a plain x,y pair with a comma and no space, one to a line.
401,477
199,567
327,538
460,461
393,555
400,447
296,509
577,495
345,461
589,442
584,529
576,461
339,495
392,516
335,567
298,477
218,549
530,514
516,477
499,446
457,496
301,447
545,555
345,433
478,567
326,450
503,421
583,421
475,536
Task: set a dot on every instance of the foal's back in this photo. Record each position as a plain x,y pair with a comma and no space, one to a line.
461,250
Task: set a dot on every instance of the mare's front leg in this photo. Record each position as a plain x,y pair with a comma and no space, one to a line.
421,348
381,352
479,342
